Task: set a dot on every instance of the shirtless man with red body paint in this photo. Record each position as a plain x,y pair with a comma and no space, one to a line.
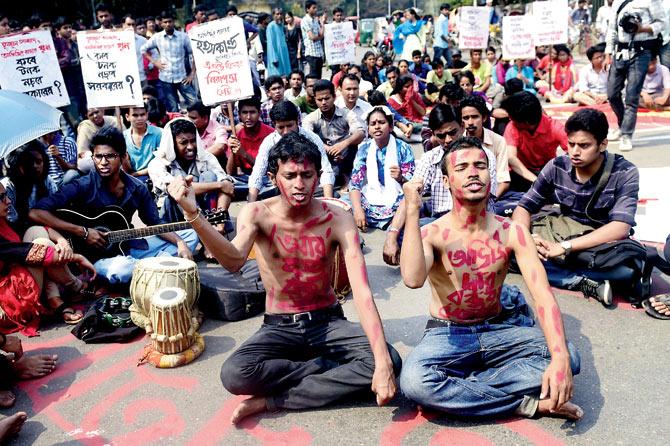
481,354
306,354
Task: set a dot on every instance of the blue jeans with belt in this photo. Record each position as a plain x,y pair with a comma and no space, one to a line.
493,368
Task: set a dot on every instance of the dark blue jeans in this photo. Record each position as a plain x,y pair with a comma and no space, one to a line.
167,93
493,368
631,73
442,53
303,365
568,279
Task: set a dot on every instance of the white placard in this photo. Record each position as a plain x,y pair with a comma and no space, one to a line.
109,67
28,64
473,31
551,22
339,41
221,60
517,37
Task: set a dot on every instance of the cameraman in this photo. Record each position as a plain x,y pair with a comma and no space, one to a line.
632,38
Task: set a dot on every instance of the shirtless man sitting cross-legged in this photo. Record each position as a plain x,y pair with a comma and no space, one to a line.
306,354
481,354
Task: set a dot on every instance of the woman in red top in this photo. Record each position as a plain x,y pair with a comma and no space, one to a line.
406,101
563,77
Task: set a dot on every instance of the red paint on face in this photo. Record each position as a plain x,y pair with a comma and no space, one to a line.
556,318
520,236
560,376
445,234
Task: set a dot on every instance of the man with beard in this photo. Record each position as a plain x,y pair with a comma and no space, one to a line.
481,354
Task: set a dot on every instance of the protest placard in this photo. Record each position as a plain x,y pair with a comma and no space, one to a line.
28,64
551,22
517,37
473,28
109,67
339,41
221,60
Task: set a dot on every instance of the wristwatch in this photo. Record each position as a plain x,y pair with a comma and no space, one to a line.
567,246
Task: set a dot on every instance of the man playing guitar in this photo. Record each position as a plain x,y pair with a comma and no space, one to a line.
107,185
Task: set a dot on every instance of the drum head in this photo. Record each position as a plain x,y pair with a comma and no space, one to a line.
165,264
168,297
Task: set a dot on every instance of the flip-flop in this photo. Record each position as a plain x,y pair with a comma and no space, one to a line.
651,311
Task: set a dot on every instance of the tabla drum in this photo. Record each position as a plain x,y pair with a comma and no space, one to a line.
171,320
341,284
155,273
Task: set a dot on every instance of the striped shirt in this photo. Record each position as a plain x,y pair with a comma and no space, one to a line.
313,48
558,184
174,51
67,148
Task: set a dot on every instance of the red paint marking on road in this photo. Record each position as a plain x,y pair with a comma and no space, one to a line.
394,433
295,436
91,421
171,425
532,432
177,382
39,344
218,425
457,437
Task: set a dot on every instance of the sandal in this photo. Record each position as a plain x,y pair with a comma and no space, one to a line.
653,312
82,290
65,310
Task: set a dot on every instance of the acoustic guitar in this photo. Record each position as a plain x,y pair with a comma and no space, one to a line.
117,229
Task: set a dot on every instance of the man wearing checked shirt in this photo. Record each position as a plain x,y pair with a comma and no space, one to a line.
174,48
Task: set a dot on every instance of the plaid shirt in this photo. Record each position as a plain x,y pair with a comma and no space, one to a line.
429,169
265,113
557,184
312,48
174,51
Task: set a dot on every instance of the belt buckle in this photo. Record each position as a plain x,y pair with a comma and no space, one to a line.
297,317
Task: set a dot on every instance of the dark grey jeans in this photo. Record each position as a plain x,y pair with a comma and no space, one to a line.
303,365
631,73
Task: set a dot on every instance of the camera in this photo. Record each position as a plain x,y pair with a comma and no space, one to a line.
630,22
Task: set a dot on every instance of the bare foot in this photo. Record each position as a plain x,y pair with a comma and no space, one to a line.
569,411
248,407
661,307
7,399
11,426
30,367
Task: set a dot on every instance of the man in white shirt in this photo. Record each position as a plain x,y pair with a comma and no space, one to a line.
603,19
284,116
349,99
295,90
591,86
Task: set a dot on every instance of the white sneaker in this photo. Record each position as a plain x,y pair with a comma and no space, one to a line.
614,135
626,144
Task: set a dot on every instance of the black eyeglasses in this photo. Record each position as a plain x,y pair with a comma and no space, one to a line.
444,134
107,156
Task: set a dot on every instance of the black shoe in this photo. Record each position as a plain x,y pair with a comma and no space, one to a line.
599,290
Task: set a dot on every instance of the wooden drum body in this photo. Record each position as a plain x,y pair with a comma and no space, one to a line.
152,274
171,319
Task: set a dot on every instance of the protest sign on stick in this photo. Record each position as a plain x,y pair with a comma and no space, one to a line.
28,64
339,41
221,60
551,22
517,37
109,67
473,28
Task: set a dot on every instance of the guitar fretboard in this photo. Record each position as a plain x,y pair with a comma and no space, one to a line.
129,234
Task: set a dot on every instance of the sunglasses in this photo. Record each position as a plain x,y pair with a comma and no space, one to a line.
444,134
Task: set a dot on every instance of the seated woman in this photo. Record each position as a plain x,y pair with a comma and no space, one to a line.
382,165
406,100
563,78
35,269
181,153
403,70
466,80
403,129
519,70
27,182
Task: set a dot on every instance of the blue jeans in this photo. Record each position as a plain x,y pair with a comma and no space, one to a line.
568,279
664,55
445,53
493,368
631,73
119,269
167,93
